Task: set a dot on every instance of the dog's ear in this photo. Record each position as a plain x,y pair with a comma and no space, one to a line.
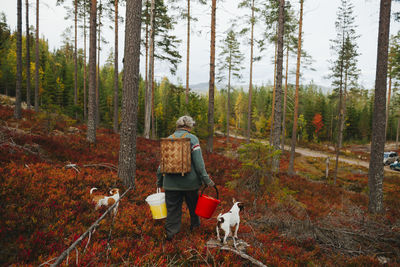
241,206
233,200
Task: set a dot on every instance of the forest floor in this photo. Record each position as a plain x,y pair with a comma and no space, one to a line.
304,220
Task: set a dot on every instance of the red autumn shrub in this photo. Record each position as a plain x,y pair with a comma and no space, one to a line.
45,207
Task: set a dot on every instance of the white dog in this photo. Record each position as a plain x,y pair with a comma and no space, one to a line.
103,200
230,219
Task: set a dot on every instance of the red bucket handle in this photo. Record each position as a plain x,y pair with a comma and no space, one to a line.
216,190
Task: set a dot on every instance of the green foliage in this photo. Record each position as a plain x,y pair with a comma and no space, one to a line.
256,161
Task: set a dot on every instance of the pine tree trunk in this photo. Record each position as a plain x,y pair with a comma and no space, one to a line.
17,110
153,124
116,70
278,90
84,67
28,59
251,72
228,106
388,101
296,97
37,59
98,70
342,103
273,94
375,174
147,114
127,152
397,133
146,80
76,59
187,53
91,129
285,100
212,80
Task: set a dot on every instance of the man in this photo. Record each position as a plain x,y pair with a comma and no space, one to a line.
178,187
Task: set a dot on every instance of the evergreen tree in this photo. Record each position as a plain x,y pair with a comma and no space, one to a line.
211,84
254,18
344,67
296,98
163,46
230,60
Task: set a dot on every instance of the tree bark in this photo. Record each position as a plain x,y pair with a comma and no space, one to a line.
212,79
273,94
146,68
91,131
17,109
116,70
278,91
375,174
388,102
285,99
341,111
397,133
187,53
98,69
76,58
251,73
127,152
85,115
296,97
228,106
28,59
153,124
147,115
37,59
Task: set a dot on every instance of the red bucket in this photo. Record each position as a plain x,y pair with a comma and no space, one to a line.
206,205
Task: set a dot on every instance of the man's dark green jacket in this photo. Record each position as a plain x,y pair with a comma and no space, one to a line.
197,175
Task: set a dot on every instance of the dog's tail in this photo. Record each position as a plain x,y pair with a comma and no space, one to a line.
93,189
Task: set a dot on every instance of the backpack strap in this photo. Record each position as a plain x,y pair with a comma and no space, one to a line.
183,135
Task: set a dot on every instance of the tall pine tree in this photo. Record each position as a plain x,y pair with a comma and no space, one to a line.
230,61
344,67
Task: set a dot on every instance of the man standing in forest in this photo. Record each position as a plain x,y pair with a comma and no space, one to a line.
178,187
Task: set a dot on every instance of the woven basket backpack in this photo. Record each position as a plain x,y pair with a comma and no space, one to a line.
175,155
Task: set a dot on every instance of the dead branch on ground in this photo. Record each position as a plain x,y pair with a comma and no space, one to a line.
66,252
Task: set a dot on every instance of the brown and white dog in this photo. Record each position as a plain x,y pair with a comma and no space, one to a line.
230,219
103,200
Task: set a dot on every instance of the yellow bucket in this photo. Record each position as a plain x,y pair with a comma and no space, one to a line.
157,205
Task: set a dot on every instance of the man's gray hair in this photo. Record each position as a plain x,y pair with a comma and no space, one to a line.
185,122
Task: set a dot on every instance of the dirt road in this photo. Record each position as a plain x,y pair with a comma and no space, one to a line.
319,154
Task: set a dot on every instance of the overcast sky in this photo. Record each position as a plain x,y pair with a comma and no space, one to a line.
318,28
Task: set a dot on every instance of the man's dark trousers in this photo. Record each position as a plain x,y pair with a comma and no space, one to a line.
174,200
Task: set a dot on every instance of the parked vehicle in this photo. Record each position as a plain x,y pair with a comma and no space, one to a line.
390,157
395,166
